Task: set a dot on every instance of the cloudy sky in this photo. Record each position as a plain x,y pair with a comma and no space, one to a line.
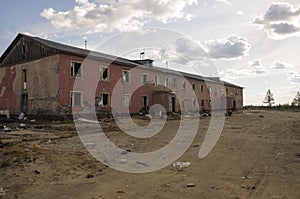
255,44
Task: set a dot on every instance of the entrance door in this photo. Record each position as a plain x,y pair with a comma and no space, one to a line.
145,100
24,102
234,105
173,104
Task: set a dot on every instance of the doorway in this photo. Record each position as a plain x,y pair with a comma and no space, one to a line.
173,103
24,102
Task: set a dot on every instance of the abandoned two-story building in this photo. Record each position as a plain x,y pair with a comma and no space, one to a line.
39,76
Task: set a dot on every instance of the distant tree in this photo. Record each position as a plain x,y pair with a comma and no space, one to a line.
269,98
296,100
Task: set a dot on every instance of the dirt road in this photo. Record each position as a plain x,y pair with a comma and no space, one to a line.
257,156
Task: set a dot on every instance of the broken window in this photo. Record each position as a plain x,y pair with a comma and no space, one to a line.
103,99
75,69
125,76
193,86
126,100
144,79
201,88
104,73
76,98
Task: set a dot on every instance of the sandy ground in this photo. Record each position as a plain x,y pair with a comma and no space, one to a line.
48,160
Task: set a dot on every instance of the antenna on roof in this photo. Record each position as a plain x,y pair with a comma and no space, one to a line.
85,43
142,55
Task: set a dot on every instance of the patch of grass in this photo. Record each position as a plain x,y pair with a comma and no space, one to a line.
5,163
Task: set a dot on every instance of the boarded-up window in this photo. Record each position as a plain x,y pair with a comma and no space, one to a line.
76,98
126,100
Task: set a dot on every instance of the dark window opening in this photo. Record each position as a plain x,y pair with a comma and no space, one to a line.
104,73
104,99
76,69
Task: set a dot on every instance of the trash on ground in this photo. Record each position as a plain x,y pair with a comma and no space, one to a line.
245,177
90,176
249,187
37,171
90,144
190,185
21,116
22,126
123,160
2,191
6,129
179,166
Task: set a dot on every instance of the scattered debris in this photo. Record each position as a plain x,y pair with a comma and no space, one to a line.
90,144
120,191
22,126
261,116
33,120
21,116
37,146
249,187
190,185
179,166
37,171
196,145
88,121
2,192
6,129
77,153
246,177
6,113
123,160
165,185
90,175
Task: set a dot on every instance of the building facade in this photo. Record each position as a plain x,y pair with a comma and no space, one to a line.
39,76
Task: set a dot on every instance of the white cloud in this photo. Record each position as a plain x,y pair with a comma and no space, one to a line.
294,77
239,12
232,47
254,69
94,17
280,21
224,1
281,65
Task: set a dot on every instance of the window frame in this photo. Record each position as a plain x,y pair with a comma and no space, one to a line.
108,99
72,98
72,69
123,75
123,101
108,73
